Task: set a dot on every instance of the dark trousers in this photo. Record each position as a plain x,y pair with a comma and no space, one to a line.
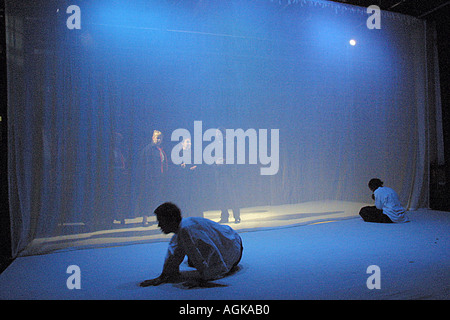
236,214
372,214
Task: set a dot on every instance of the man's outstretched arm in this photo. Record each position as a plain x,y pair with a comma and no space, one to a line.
171,271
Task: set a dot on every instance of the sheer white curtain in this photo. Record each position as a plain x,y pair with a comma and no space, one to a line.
83,106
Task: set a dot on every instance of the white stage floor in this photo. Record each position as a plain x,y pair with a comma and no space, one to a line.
326,260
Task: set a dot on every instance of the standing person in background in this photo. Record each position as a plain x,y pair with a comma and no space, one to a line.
188,191
152,168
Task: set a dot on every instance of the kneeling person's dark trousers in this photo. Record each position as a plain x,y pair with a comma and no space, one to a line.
373,214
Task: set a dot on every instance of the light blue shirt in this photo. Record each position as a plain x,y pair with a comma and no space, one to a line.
386,199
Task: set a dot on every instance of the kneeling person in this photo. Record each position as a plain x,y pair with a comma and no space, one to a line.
387,209
212,248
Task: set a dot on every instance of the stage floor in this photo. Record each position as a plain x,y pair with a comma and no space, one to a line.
326,260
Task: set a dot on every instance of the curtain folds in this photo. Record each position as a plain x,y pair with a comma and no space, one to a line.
84,105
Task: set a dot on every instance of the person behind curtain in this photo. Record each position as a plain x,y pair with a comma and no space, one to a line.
226,188
121,181
387,209
188,186
213,249
153,167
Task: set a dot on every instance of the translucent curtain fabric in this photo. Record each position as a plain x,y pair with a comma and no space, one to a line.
83,106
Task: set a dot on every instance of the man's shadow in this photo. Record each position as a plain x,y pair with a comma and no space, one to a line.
190,279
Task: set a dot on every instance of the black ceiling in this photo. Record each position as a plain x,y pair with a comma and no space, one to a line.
424,9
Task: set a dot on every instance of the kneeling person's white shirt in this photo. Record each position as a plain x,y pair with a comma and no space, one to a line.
212,248
387,200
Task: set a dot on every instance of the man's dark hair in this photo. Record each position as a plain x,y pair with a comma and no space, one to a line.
375,183
170,211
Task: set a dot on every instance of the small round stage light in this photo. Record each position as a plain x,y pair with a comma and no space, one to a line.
352,42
